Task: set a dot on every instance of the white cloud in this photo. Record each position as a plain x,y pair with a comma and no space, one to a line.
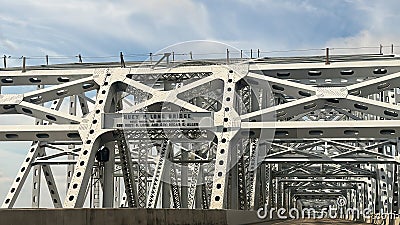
283,5
368,42
84,25
380,20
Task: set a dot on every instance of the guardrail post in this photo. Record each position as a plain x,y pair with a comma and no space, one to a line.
327,56
121,56
227,56
23,64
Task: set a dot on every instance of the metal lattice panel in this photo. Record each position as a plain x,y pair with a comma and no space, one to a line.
286,132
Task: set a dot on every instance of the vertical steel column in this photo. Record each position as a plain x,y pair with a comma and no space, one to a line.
108,177
364,196
234,182
275,191
37,174
143,148
269,188
389,96
220,182
382,188
242,190
371,194
359,197
194,168
286,196
184,175
166,182
127,172
36,179
176,197
199,185
158,174
95,197
252,175
262,178
90,133
264,168
117,192
70,167
166,187
282,194
396,187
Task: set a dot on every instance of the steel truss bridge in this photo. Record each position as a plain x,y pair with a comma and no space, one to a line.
287,133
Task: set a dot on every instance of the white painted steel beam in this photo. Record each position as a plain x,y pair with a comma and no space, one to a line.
326,121
383,129
39,132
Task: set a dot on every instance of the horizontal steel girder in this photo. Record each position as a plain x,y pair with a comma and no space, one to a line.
39,133
333,160
379,129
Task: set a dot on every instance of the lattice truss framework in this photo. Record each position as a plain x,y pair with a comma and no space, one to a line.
334,131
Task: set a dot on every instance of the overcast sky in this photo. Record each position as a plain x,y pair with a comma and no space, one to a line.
104,28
